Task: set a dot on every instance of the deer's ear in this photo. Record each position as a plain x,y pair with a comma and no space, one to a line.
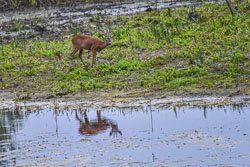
104,37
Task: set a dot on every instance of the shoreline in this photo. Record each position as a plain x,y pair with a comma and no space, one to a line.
135,98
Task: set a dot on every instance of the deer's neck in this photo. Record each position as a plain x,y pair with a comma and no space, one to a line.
103,45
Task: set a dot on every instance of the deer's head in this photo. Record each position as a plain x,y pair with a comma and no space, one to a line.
107,39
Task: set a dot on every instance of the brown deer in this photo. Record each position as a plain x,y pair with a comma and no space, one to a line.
89,43
96,126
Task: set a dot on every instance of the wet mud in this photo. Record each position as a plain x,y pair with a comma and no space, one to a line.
59,22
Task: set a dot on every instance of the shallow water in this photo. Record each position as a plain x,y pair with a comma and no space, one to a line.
142,136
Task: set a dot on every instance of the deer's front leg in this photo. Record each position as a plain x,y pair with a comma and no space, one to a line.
80,56
93,57
72,54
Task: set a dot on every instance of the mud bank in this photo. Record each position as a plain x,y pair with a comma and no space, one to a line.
7,5
57,22
135,98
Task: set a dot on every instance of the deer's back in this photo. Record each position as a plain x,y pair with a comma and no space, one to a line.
85,41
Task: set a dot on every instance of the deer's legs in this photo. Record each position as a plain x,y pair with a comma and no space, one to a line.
72,54
99,119
94,57
86,118
80,56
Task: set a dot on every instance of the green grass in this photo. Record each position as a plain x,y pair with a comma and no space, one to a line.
149,50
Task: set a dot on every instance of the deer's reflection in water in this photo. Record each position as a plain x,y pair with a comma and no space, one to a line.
93,127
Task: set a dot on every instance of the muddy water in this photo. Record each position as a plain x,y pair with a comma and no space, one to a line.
141,136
